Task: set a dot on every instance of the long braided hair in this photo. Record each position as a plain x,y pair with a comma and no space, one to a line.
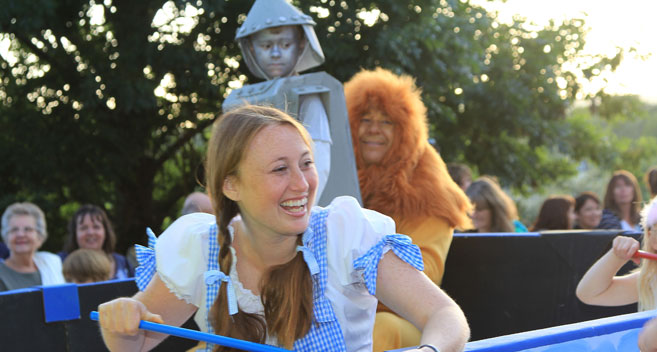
286,290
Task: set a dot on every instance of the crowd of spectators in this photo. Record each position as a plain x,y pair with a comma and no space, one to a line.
89,251
495,211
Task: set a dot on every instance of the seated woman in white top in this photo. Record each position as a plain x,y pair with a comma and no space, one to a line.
270,269
24,231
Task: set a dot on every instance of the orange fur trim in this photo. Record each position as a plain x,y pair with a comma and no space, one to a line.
411,181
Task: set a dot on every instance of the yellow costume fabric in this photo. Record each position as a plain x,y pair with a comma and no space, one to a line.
410,184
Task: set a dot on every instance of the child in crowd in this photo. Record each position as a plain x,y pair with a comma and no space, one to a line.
87,265
600,287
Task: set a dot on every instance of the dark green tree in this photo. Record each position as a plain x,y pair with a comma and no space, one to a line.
83,118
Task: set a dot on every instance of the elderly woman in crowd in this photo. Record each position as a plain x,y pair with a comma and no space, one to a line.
90,228
24,231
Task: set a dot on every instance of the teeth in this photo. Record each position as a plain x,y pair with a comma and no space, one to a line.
295,203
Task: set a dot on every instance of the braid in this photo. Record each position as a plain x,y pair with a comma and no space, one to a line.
243,326
286,294
287,299
224,239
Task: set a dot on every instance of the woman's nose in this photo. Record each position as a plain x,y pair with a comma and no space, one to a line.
299,181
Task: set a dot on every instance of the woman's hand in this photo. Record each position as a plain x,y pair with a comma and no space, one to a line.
122,316
599,286
624,247
119,318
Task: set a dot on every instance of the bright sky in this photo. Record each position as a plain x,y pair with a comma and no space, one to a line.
625,24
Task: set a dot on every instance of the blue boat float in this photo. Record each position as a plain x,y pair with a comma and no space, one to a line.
517,291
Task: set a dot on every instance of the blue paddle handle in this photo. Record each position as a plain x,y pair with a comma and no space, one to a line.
203,336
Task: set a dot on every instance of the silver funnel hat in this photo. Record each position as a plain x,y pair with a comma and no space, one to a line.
275,13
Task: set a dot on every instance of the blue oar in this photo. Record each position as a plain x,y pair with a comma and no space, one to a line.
203,336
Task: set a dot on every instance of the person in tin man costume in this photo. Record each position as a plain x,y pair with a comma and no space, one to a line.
278,41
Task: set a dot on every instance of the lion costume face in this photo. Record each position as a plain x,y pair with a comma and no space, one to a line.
411,179
397,98
375,135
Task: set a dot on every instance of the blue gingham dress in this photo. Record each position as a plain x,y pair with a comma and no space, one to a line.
325,333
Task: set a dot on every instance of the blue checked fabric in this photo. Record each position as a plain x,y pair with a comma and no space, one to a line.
325,333
212,287
401,245
309,258
146,258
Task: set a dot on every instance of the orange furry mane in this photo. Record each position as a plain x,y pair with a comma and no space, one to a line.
411,181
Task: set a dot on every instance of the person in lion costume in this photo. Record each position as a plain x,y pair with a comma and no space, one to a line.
403,176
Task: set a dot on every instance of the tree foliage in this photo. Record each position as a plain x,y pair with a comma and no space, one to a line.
107,102
80,115
497,94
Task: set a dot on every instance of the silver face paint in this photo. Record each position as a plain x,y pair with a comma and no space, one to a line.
276,50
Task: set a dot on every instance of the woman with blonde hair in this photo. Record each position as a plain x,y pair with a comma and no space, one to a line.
494,210
600,287
269,267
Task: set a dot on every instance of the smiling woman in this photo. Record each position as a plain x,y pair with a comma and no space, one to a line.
24,231
270,267
90,228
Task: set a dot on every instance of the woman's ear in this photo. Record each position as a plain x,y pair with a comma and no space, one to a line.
231,189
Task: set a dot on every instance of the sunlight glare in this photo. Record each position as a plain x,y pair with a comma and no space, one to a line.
612,24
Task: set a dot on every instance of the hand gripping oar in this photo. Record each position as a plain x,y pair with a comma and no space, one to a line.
203,336
645,255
